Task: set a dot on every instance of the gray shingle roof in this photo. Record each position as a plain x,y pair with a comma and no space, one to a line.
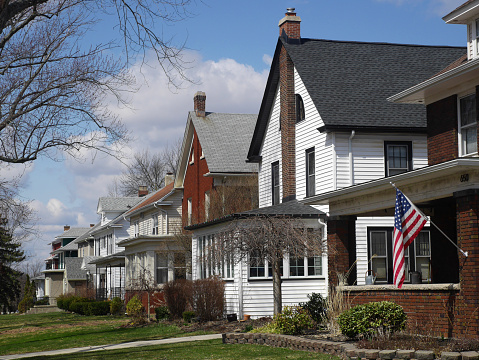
73,233
86,263
349,83
117,203
225,139
291,208
73,268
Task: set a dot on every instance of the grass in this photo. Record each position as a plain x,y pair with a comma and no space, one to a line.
211,349
42,332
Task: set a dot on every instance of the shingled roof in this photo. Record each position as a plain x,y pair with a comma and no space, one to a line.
225,139
117,203
349,83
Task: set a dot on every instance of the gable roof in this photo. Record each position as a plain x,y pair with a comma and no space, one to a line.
224,139
117,203
73,232
152,198
349,83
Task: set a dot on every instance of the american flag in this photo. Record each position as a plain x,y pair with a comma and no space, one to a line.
408,222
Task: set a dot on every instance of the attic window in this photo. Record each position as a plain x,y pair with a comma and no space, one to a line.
299,108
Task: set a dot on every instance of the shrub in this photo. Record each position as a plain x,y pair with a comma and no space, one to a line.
208,298
372,318
316,306
97,308
162,313
25,304
116,306
78,307
293,320
177,296
44,301
136,310
188,315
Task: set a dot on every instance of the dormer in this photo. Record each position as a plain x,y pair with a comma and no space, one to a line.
467,14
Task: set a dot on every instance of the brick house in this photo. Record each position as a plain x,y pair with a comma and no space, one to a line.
212,155
447,190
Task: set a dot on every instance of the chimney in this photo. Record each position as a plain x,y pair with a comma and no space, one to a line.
66,228
169,178
289,26
200,103
288,110
142,191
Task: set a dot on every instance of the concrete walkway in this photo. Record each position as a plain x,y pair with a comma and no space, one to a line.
114,346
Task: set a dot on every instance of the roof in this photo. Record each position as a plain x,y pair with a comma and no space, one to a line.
71,246
73,232
292,208
86,263
152,198
73,268
117,203
224,139
351,93
116,258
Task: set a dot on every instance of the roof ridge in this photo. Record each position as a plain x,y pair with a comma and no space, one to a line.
380,43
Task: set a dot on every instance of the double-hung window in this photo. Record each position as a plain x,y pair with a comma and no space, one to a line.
417,257
275,182
310,172
161,268
468,124
154,219
256,265
398,157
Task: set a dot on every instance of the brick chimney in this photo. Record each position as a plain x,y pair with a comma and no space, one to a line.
290,25
169,178
66,228
200,103
142,191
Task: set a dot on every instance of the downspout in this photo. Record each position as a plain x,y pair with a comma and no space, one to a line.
334,161
351,167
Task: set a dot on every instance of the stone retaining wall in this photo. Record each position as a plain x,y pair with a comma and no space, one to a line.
343,350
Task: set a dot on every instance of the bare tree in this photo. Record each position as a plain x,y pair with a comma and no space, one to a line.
53,86
146,169
271,238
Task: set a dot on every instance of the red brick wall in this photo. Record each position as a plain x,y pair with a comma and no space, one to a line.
291,28
442,130
341,248
195,185
426,310
288,125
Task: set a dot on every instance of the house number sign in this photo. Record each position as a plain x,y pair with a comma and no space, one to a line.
464,177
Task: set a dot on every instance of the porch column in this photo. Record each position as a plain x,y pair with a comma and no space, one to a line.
341,248
467,304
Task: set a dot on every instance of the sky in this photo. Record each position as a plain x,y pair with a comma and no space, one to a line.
229,46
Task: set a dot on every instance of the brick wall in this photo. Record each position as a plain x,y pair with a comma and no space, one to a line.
442,130
341,248
195,185
427,311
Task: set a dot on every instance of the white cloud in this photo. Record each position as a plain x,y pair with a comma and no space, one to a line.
267,59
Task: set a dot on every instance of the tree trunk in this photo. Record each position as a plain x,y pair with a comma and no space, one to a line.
277,287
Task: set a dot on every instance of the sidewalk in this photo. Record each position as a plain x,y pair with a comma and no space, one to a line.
113,346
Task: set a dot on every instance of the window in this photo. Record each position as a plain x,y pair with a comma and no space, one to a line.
180,266
468,124
275,182
155,228
190,209
136,226
310,172
398,156
207,205
161,268
417,257
256,265
192,156
477,36
299,108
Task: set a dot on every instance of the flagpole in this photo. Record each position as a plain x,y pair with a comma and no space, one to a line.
465,253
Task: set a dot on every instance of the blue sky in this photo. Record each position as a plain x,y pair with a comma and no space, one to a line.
230,44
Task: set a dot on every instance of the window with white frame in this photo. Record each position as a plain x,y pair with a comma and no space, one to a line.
275,182
179,266
256,265
398,157
210,262
310,172
417,257
136,228
207,205
190,210
305,266
468,124
155,229
476,36
161,268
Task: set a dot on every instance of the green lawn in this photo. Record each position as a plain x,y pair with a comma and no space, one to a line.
211,349
41,332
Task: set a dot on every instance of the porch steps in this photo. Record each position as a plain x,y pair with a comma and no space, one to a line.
42,309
